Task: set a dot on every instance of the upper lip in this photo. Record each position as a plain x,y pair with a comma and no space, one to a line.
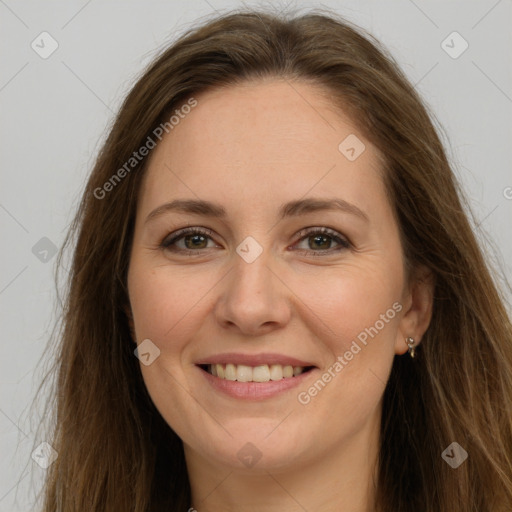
254,359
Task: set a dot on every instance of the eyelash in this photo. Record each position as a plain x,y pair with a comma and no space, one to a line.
305,233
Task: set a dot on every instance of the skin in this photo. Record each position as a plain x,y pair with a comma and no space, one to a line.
251,148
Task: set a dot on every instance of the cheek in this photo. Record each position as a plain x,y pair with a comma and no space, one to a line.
359,317
355,298
165,302
166,307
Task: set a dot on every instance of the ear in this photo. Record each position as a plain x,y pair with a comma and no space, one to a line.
417,301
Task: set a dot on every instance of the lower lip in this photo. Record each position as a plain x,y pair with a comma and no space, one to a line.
254,390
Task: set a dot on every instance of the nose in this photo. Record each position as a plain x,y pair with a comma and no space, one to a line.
253,298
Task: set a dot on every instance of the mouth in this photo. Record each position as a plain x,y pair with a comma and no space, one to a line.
257,381
261,373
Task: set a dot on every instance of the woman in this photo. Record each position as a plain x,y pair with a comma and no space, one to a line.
276,300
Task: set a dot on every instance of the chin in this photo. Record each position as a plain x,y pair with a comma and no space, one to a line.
257,445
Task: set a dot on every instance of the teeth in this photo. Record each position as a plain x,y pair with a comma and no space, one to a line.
276,372
243,373
230,373
288,372
262,373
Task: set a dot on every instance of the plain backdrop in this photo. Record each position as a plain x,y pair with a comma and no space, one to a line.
55,112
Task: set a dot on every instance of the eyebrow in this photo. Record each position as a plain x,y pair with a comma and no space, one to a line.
290,209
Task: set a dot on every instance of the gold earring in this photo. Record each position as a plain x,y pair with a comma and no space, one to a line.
410,343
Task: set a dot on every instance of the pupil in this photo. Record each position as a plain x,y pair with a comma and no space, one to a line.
195,237
321,237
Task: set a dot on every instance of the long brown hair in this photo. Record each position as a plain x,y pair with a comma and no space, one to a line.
115,451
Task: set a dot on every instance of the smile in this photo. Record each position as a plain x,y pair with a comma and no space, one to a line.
260,373
254,382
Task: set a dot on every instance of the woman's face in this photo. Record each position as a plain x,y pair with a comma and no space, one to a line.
263,289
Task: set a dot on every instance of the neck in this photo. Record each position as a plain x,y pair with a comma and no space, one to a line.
340,480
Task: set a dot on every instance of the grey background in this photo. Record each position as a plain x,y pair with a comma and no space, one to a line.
55,112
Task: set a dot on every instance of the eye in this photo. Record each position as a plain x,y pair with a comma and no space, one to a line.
197,238
320,238
193,238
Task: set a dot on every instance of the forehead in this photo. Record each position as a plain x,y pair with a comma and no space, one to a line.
261,141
